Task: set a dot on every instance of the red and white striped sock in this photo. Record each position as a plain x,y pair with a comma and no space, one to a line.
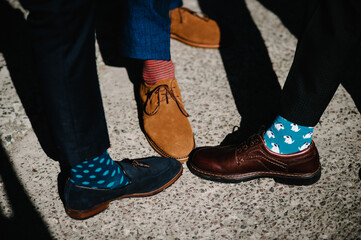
157,70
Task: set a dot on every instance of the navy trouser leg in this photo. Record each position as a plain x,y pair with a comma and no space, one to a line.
175,4
329,42
137,29
145,32
64,44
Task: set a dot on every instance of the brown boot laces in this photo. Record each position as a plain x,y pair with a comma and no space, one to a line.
203,16
156,92
251,141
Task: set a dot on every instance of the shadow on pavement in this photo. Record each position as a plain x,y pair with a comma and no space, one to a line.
25,222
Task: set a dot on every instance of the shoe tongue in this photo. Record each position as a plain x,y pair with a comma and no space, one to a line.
162,82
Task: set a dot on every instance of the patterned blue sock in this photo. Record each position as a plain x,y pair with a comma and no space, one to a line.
100,172
286,137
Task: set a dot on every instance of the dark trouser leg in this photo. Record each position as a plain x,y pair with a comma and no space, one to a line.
329,42
63,36
293,13
351,80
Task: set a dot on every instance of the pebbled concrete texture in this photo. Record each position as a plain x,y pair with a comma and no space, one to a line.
192,208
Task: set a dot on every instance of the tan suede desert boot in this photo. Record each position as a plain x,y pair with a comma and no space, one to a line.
165,121
189,28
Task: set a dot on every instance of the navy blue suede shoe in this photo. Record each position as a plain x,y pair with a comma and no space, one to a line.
147,176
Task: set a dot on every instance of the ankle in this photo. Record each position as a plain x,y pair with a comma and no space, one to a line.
286,137
100,172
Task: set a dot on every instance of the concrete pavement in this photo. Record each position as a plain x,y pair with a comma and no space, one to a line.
191,208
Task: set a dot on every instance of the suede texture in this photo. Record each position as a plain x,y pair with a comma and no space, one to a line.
165,120
194,30
143,180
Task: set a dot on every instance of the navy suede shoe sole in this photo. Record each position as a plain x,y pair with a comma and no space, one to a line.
147,177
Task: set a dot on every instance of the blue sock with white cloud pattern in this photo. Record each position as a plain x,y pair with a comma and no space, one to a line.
100,172
286,137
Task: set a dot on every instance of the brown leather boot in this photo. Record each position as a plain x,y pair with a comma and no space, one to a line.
189,28
252,159
165,121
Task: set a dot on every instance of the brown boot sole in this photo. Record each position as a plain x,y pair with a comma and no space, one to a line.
284,178
200,45
83,214
161,152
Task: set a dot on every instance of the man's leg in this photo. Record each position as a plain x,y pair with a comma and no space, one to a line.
328,44
319,65
351,80
63,37
330,40
145,35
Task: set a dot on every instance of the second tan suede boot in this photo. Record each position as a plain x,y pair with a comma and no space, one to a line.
165,121
194,30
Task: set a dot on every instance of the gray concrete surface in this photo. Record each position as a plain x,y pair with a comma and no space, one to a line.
193,208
